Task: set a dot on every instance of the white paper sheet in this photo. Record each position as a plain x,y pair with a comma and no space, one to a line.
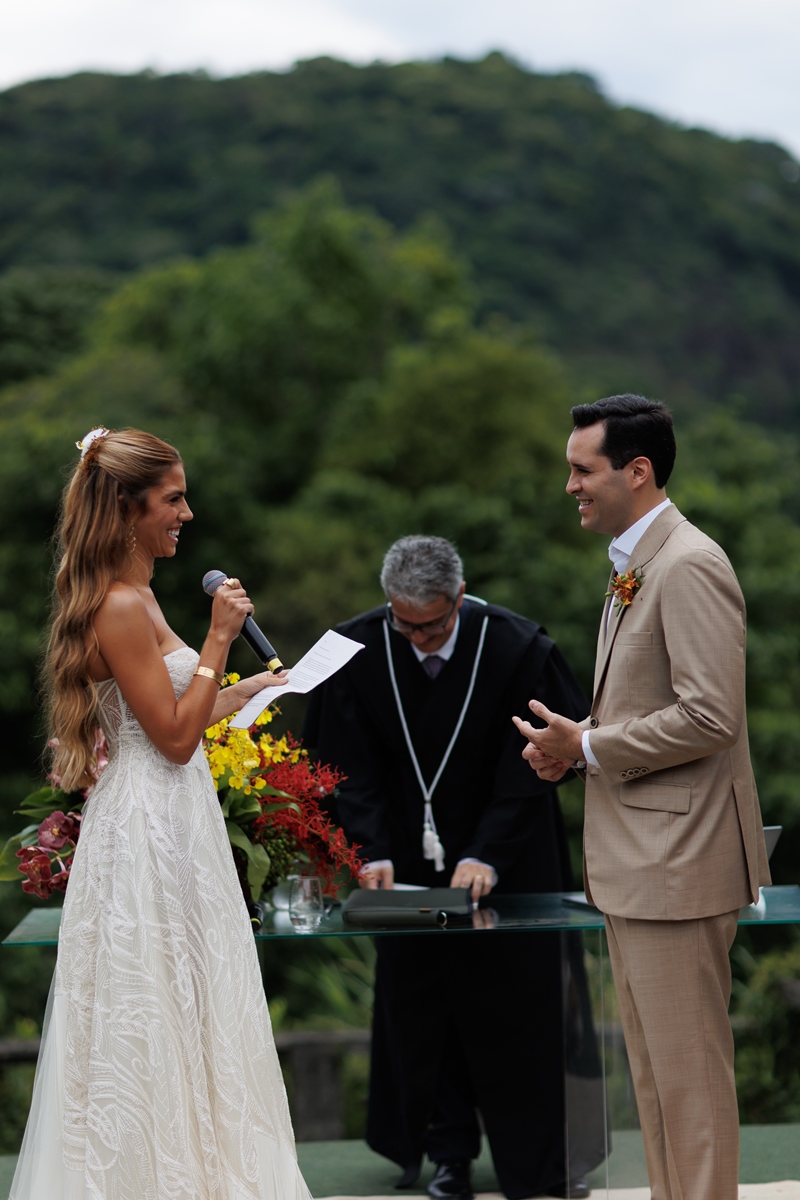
324,659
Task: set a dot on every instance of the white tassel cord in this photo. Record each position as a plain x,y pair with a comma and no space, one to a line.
432,848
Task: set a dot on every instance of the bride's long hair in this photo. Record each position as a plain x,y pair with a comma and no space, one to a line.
94,542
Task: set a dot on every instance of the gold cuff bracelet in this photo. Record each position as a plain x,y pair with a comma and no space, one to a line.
209,674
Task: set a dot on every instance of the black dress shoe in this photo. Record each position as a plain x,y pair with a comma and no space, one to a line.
576,1189
407,1179
451,1181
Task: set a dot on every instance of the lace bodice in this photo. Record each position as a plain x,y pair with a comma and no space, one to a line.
115,717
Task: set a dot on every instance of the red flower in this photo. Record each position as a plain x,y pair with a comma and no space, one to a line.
58,829
36,865
307,826
304,780
61,879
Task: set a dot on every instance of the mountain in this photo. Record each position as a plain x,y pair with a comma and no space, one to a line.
654,257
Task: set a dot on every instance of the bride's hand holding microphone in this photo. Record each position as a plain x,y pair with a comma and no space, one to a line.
232,615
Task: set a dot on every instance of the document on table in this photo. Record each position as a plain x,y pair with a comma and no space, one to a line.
324,659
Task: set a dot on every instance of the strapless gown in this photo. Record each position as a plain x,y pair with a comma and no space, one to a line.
158,1077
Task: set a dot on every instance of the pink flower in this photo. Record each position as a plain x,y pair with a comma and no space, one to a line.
54,779
56,830
100,751
100,760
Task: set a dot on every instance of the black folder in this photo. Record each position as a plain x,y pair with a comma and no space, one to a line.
390,909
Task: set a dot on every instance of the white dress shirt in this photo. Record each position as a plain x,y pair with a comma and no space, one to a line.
444,652
620,552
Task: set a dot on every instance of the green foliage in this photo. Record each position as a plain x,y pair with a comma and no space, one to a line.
44,802
313,304
16,1086
336,986
44,314
9,862
766,1008
660,259
325,985
258,862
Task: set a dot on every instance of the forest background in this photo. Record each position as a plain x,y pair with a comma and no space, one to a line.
362,301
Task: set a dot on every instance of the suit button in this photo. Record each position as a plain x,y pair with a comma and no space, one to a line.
624,774
593,723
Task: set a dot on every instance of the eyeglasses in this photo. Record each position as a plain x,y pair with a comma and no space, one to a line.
425,627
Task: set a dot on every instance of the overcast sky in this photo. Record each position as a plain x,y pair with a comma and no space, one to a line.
730,65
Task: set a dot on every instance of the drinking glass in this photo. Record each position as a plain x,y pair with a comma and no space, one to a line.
306,908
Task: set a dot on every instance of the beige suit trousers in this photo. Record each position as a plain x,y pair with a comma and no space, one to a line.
673,982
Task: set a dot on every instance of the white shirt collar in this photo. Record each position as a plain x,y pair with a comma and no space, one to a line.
622,547
445,651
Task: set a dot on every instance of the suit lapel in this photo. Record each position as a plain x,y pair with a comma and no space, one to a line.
653,538
644,551
612,625
603,635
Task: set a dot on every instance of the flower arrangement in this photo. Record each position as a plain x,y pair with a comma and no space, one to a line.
270,794
43,851
624,588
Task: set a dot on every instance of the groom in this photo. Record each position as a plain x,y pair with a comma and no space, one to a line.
673,841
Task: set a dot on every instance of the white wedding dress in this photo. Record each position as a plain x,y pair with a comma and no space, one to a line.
158,1077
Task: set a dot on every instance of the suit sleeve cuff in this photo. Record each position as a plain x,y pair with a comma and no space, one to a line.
587,749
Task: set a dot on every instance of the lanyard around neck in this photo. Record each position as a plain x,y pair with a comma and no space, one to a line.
431,846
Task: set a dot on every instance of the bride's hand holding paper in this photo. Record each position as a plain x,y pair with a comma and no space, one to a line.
324,659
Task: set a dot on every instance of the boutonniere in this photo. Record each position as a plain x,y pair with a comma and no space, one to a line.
624,588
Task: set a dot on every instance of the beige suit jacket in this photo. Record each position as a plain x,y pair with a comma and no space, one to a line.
673,829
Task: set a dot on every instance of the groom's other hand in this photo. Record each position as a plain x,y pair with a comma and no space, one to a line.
559,741
547,768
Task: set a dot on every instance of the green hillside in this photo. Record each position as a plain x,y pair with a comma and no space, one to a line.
653,257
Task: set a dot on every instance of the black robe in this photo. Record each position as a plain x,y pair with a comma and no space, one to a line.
485,1012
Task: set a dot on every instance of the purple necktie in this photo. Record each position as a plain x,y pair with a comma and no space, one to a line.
433,665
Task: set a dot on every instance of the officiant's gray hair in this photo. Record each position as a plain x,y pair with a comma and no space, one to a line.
420,569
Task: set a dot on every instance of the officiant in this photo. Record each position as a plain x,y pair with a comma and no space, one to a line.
437,794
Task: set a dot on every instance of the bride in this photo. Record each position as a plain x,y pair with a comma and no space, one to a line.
158,1077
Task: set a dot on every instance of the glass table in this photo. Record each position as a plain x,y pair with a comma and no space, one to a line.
558,911
600,1109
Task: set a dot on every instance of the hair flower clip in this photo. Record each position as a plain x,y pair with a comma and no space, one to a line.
91,436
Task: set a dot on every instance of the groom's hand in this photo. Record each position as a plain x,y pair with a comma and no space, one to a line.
561,739
547,768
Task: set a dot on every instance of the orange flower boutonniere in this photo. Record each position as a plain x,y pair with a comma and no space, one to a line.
624,588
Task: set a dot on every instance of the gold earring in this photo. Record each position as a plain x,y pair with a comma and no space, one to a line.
130,541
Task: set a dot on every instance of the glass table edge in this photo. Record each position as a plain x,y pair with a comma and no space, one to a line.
553,911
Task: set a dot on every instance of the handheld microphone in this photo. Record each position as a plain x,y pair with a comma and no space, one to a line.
255,639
